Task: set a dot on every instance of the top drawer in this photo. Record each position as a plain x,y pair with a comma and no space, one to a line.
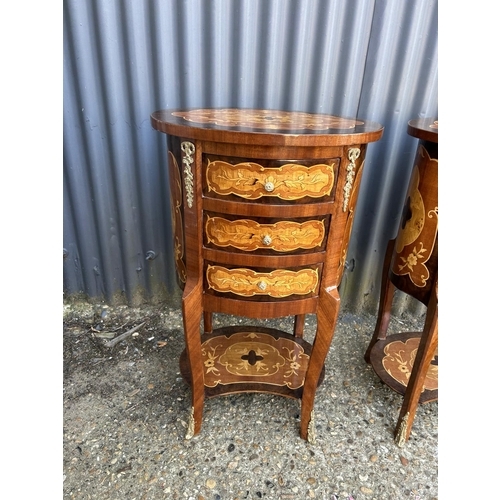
271,181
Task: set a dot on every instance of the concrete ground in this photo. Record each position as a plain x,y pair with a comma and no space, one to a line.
126,410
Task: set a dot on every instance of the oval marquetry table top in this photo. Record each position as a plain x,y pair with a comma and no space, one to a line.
424,128
260,126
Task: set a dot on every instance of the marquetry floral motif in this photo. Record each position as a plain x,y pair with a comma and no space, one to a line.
176,213
249,356
419,224
293,358
248,235
253,181
267,119
210,359
399,359
413,264
246,282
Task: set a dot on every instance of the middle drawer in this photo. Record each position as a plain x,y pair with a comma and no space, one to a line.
265,235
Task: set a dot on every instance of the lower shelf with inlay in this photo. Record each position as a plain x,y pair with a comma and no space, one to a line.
392,360
252,359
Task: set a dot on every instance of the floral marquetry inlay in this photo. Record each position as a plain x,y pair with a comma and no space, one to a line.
278,284
248,235
252,181
418,232
253,357
399,359
177,220
267,119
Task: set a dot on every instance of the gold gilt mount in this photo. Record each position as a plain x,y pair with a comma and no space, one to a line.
188,150
253,181
353,155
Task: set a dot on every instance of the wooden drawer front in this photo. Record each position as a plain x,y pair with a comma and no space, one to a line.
253,181
248,235
247,283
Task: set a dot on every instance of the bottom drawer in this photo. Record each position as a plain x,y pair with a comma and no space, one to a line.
278,284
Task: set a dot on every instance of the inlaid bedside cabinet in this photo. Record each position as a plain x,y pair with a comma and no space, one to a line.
262,206
408,362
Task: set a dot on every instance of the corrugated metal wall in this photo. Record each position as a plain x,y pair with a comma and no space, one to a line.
123,59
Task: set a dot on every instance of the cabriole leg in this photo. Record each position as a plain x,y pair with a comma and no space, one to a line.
327,314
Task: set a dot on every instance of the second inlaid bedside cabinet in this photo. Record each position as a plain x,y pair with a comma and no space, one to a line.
262,207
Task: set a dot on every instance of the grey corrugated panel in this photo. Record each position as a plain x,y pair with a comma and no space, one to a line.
400,84
124,59
86,155
72,272
108,89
